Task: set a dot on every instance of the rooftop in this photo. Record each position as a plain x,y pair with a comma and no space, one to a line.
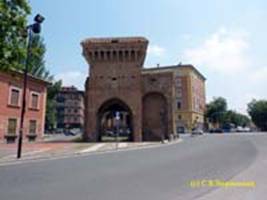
13,72
115,40
70,89
173,67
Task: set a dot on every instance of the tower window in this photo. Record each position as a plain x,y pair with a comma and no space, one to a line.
127,55
153,80
96,55
114,41
120,55
114,54
90,54
108,55
179,105
132,55
102,55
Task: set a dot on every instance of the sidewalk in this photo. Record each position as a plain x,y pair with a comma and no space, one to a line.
56,149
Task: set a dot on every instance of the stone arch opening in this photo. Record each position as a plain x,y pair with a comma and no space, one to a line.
155,117
114,119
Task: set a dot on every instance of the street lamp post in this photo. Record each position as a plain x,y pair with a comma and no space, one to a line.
33,28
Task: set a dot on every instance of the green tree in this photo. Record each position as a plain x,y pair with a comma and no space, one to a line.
13,22
51,112
258,112
233,117
13,48
37,66
216,109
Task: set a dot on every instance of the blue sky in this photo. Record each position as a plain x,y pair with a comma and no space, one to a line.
224,39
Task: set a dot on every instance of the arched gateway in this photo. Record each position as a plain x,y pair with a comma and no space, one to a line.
114,86
114,119
124,99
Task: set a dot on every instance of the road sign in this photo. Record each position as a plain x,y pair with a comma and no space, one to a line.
117,115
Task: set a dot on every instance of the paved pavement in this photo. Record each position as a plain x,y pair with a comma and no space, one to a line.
57,146
154,173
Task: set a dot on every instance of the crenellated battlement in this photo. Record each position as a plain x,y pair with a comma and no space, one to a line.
115,50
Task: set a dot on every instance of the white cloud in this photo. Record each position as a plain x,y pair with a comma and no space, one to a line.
259,76
75,78
156,50
224,51
231,70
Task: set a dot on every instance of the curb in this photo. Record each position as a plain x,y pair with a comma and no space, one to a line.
80,154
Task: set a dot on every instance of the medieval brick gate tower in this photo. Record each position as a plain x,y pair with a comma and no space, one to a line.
114,86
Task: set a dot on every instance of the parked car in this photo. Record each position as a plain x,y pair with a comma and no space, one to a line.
59,131
72,132
125,132
197,132
216,130
242,129
247,129
239,129
110,133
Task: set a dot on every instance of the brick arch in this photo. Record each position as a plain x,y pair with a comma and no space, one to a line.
108,109
155,117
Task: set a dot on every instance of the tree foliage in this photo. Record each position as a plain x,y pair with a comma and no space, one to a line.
13,49
233,117
13,22
13,46
258,112
37,66
217,112
216,109
51,113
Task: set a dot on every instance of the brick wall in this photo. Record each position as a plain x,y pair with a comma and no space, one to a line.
6,111
158,95
115,73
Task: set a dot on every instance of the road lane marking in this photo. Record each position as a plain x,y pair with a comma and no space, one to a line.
93,148
123,145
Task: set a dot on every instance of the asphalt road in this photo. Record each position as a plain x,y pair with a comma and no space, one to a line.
155,173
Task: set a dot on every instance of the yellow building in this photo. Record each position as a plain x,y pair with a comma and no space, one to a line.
190,100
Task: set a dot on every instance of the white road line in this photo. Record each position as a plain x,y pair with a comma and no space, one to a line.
93,148
123,145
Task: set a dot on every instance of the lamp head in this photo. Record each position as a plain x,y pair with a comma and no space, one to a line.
39,18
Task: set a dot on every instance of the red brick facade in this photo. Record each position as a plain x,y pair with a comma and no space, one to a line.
118,81
35,106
